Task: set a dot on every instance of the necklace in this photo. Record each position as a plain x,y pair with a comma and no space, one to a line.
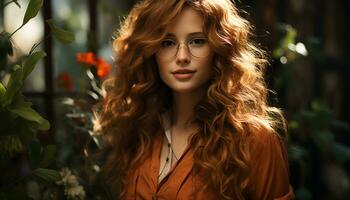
171,146
171,154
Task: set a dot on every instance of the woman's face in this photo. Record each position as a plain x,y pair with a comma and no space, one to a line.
185,58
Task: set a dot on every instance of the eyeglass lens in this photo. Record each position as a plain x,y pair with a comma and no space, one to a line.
197,47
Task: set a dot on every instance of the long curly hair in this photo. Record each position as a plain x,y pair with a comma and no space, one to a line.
234,107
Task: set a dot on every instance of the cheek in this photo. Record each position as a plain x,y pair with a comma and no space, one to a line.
160,62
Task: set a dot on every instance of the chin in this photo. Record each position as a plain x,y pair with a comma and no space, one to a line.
185,88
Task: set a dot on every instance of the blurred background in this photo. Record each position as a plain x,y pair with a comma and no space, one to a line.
309,47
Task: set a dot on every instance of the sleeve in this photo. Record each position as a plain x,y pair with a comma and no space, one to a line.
269,172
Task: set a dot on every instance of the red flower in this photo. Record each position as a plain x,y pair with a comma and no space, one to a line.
103,68
88,58
64,81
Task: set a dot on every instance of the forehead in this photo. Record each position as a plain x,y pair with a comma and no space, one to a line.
188,21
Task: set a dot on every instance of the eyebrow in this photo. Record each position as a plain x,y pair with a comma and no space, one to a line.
190,34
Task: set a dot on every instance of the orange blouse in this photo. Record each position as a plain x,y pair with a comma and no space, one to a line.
269,174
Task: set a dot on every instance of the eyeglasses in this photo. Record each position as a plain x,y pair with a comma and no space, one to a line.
198,47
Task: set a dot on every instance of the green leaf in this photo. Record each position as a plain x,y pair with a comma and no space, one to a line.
2,93
26,112
61,35
18,101
5,44
32,10
31,61
48,175
14,85
47,156
290,36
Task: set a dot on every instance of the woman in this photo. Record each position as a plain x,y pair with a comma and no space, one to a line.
186,116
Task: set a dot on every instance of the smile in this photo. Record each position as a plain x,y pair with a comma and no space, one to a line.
183,73
183,76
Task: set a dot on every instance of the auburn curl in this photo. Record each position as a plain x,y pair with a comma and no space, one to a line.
235,105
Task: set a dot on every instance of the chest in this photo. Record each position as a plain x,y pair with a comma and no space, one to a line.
178,183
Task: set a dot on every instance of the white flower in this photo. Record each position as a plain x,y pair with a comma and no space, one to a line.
76,192
72,188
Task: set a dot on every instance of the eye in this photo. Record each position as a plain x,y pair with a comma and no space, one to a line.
198,41
167,43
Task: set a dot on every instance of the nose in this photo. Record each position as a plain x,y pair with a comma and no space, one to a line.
183,55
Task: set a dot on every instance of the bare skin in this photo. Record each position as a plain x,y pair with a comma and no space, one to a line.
181,128
186,92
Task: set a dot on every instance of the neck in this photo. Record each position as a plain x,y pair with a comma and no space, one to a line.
183,108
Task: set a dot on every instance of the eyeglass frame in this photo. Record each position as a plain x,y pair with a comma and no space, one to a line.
186,44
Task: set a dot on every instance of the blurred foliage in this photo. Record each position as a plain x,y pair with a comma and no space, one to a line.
315,151
23,157
313,146
84,135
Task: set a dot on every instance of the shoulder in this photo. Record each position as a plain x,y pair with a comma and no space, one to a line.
267,149
265,140
268,165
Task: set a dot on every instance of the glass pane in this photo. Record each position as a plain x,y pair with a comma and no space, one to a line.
71,15
110,13
24,39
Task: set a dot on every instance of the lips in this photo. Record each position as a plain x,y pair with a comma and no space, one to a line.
183,73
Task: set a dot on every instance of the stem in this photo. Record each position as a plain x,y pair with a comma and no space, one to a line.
37,44
16,31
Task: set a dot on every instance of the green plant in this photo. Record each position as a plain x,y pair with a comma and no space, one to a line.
23,158
314,146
